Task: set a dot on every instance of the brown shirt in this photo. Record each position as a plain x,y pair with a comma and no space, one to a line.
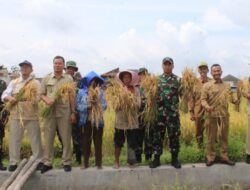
217,95
194,102
245,92
50,85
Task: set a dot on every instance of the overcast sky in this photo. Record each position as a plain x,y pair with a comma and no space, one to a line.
101,35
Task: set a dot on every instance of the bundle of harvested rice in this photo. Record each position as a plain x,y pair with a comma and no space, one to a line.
28,92
95,103
62,94
121,99
149,85
240,88
245,85
183,104
189,82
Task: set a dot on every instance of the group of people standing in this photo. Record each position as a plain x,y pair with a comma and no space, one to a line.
72,119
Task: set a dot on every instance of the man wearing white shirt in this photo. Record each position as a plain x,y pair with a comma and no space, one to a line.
23,113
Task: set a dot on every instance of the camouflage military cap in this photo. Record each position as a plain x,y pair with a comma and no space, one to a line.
168,60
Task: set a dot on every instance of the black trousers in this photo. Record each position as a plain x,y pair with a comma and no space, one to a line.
92,133
120,138
76,139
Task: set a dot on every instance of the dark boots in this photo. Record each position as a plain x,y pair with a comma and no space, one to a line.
138,158
156,162
175,162
79,158
2,167
148,157
248,159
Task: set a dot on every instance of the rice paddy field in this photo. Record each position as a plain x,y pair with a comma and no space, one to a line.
189,152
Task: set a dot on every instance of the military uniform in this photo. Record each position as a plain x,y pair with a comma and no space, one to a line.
3,120
58,119
196,109
168,114
218,119
168,118
29,119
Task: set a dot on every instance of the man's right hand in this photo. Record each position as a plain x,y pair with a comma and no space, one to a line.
209,109
248,96
48,101
11,100
192,117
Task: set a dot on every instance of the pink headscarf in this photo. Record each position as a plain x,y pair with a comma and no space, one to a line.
135,78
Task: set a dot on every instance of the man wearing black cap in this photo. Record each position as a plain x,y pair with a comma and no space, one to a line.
168,115
23,94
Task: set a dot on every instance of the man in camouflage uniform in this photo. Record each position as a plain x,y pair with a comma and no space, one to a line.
195,108
3,120
71,69
168,115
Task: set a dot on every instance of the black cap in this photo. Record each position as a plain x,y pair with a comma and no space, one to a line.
25,63
168,60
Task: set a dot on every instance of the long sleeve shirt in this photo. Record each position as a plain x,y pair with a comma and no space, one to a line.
217,95
194,103
245,92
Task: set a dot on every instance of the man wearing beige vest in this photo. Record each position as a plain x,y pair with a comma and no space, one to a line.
61,118
22,95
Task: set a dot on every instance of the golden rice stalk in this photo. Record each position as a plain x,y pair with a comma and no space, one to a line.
245,85
27,93
183,104
31,92
44,110
61,95
121,99
240,88
189,82
96,109
64,90
149,85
